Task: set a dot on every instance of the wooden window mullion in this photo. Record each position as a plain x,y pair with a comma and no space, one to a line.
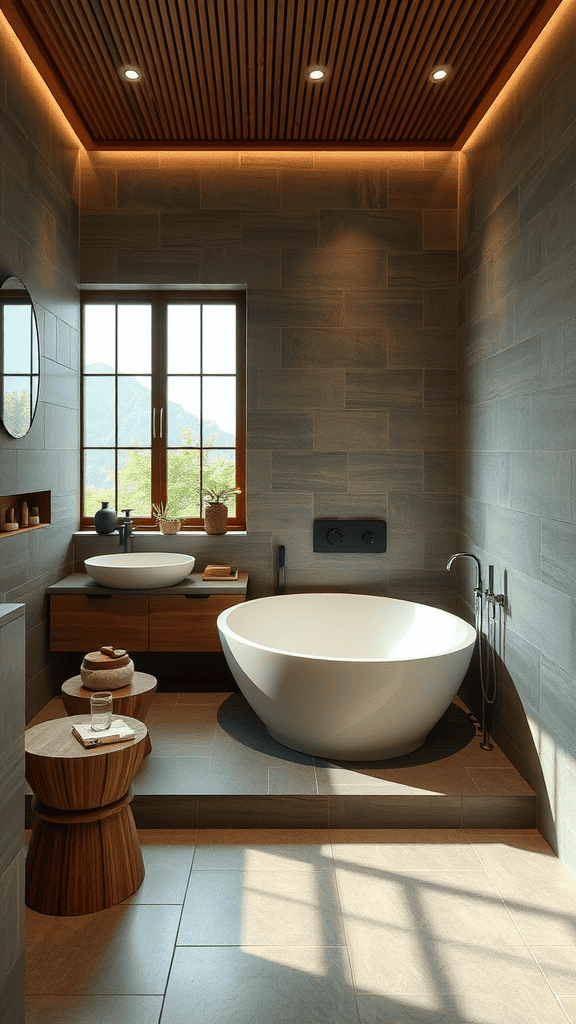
159,402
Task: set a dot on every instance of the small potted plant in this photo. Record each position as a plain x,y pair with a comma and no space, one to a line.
169,521
216,509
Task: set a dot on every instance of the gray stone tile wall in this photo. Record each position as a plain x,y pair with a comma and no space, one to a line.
12,679
39,244
518,408
350,267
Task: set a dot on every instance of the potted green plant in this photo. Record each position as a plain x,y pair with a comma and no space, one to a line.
216,509
169,521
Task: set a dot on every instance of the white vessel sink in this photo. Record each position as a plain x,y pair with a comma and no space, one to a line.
139,570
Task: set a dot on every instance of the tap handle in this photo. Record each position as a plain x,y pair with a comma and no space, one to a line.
127,511
490,579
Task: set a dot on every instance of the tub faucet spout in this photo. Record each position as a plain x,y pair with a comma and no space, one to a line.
468,554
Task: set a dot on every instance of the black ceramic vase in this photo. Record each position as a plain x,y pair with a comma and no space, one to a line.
105,519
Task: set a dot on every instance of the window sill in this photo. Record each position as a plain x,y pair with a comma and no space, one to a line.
156,533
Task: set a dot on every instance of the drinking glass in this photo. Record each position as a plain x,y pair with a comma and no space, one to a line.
101,704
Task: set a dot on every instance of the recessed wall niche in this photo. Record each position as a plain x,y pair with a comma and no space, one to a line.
34,499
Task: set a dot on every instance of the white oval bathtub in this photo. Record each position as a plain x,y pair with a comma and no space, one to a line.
346,676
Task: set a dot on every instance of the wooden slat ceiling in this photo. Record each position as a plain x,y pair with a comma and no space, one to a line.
232,72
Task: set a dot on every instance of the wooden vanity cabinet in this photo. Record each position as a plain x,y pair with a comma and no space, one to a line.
187,623
137,622
82,623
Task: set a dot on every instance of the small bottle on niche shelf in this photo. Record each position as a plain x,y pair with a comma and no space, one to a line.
24,514
33,518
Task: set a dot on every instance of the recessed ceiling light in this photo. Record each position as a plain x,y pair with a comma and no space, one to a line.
131,73
316,73
440,73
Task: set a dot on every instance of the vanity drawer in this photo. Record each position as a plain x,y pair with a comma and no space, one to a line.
187,623
81,623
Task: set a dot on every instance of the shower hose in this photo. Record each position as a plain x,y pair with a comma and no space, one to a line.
486,663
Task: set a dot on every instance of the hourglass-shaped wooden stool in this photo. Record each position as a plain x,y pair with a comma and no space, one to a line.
84,854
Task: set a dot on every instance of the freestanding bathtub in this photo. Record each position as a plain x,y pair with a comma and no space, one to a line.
346,676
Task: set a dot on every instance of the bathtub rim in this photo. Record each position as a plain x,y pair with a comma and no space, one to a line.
222,624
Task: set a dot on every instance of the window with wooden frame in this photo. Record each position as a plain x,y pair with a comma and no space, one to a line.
163,403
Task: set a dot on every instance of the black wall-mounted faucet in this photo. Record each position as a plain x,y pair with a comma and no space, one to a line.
126,531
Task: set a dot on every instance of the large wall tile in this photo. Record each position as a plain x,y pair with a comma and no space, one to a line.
244,188
321,347
352,431
426,189
489,477
517,370
144,188
547,176
435,429
546,300
559,555
384,389
553,418
296,229
513,538
422,347
377,472
317,471
422,512
125,230
426,270
335,187
440,308
279,430
195,228
542,615
289,389
342,269
396,307
540,483
275,308
393,231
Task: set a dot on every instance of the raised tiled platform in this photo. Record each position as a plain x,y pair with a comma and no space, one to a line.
214,765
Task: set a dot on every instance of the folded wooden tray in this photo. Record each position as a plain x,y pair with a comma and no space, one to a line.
220,572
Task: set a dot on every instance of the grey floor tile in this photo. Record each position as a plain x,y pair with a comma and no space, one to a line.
125,950
409,1009
292,780
89,1009
558,964
174,776
199,776
167,855
264,849
569,1005
501,781
289,908
338,781
219,699
284,985
407,850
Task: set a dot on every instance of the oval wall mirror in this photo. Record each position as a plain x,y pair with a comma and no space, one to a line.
19,358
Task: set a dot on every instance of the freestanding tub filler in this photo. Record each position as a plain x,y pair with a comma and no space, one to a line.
346,676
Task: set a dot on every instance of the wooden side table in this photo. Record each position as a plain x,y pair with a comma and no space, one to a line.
84,854
133,700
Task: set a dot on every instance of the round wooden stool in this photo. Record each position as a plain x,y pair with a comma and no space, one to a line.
84,854
134,699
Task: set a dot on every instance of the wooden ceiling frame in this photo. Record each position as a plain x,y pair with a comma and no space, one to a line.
234,73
